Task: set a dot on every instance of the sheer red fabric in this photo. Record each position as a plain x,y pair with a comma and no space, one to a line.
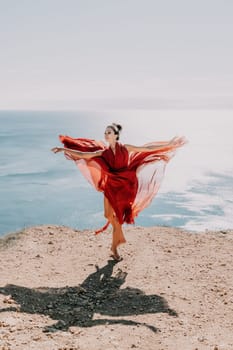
129,180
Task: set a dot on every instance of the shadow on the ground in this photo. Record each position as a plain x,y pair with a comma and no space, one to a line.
99,293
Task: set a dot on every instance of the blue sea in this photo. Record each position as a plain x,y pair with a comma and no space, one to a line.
40,187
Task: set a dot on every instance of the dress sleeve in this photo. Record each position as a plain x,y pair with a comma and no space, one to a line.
91,169
150,169
81,144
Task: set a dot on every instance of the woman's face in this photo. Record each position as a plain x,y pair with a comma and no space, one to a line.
110,135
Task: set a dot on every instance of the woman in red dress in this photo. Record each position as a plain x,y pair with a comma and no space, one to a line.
129,176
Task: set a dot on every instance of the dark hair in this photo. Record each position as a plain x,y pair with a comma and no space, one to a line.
116,128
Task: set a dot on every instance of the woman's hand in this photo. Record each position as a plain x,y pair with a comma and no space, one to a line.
173,141
56,149
177,141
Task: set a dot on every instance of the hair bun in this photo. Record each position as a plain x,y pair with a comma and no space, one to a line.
117,126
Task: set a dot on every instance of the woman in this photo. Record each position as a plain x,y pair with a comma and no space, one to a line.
129,176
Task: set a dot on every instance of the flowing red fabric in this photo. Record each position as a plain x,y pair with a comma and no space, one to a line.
129,180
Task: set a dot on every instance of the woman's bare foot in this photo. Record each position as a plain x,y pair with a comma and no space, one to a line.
115,255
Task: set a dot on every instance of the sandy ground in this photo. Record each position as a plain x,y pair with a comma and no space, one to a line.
60,290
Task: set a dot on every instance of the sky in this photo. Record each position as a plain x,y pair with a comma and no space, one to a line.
70,54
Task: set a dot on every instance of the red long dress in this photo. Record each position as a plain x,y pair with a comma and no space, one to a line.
129,180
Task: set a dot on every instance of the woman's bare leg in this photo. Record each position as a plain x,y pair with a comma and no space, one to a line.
117,233
117,237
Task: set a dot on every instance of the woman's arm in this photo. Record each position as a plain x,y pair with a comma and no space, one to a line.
77,154
175,142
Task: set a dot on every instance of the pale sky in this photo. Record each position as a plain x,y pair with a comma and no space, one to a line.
67,54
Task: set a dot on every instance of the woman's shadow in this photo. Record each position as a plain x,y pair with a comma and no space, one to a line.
99,293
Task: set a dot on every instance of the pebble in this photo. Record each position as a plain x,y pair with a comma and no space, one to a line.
201,339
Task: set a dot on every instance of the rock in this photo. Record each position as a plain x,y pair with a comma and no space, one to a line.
8,300
201,339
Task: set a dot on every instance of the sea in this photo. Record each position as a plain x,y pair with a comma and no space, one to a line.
39,187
